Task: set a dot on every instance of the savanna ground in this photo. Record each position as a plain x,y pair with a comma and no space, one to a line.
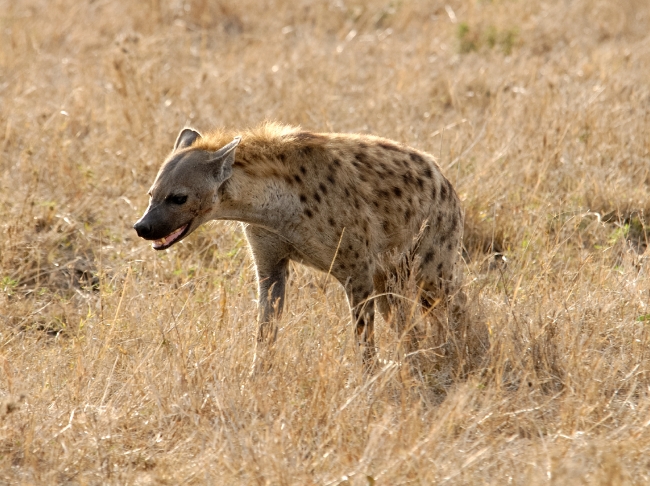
121,365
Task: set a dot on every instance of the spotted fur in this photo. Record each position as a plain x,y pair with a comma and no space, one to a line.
336,202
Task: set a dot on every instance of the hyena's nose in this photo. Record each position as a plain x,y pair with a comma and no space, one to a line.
143,229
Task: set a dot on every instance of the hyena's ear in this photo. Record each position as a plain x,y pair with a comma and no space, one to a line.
186,138
222,160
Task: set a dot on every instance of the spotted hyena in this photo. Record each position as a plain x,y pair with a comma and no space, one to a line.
336,202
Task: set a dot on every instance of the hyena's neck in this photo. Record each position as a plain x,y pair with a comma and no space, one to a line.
258,201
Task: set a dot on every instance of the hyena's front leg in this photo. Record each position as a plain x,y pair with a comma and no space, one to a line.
271,285
271,256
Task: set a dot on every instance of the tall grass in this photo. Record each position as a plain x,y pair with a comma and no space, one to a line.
120,365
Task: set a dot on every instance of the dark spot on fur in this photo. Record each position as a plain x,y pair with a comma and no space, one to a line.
331,222
342,266
356,203
288,180
428,257
420,183
443,192
454,223
449,246
303,170
347,192
297,179
282,157
417,158
439,219
389,146
375,204
322,187
407,178
427,172
363,178
386,225
434,193
361,157
309,213
317,196
397,191
303,198
356,254
337,162
407,214
331,180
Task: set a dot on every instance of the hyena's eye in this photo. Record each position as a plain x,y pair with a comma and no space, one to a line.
176,199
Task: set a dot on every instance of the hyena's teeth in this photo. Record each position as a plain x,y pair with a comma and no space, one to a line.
169,238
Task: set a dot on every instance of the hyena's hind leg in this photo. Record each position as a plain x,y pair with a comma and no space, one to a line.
271,256
439,282
444,303
395,289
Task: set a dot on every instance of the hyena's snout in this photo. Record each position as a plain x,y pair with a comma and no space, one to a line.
143,228
152,224
162,229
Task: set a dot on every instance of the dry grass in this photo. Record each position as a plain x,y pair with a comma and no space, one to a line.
124,366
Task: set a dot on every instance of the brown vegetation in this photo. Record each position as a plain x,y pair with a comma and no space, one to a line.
119,365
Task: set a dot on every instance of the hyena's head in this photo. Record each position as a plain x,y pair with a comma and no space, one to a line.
185,190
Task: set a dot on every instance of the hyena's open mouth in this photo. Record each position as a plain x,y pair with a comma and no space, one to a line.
171,238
